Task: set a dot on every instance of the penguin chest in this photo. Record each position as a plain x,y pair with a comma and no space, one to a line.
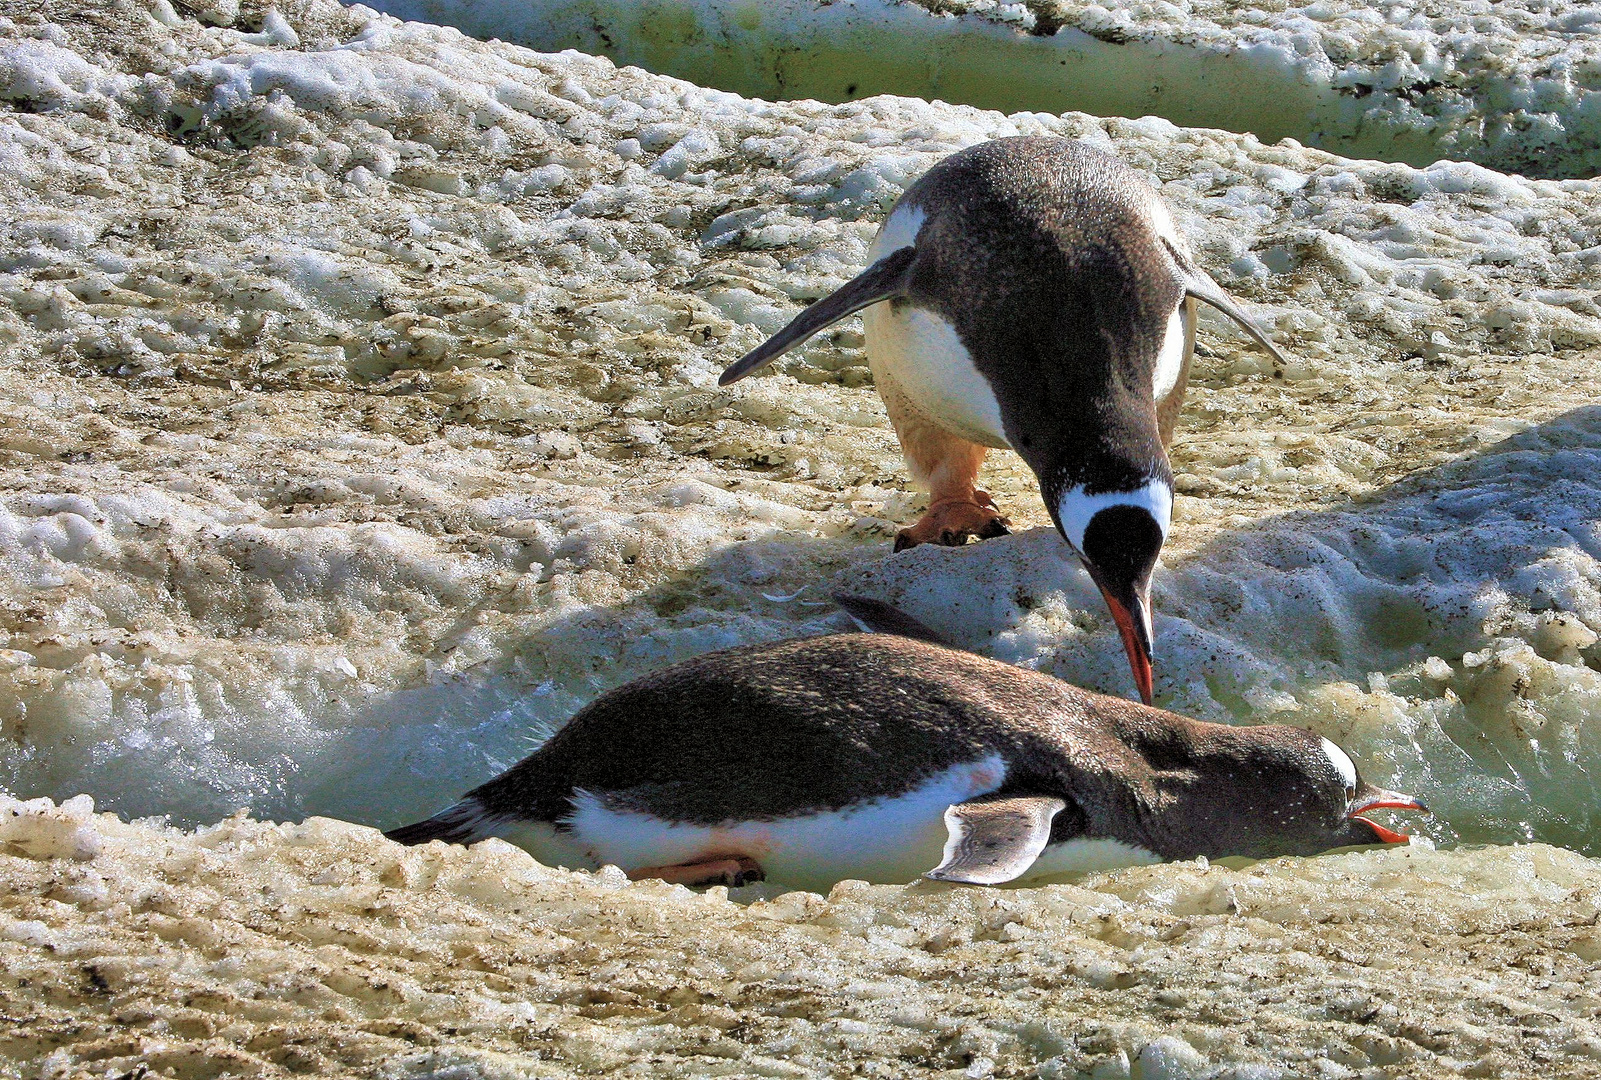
924,372
1088,855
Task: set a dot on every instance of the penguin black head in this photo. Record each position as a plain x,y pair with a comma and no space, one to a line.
1354,798
1118,536
1272,790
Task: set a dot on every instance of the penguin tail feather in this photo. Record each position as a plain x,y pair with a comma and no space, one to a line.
877,617
467,822
885,279
1199,284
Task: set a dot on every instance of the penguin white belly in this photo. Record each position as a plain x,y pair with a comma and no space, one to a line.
919,357
889,840
545,842
923,358
1087,855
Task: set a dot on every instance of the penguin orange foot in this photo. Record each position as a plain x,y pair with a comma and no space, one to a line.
953,522
733,871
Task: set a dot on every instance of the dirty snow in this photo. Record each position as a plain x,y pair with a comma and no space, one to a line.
252,949
360,423
1513,85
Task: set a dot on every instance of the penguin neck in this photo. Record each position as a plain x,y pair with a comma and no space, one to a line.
1103,438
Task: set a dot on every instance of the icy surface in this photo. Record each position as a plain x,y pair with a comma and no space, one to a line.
360,424
249,948
1515,85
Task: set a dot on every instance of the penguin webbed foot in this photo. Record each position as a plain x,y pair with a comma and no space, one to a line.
952,522
732,871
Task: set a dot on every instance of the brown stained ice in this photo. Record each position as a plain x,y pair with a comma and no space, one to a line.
255,949
358,422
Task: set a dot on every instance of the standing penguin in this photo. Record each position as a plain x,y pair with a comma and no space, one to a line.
1040,299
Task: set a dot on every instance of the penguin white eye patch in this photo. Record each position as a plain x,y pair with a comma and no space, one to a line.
1342,764
1077,509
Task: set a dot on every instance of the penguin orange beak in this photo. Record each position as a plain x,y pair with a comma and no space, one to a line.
1379,799
1134,624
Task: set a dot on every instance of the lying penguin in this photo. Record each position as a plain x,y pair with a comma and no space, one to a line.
1032,293
886,756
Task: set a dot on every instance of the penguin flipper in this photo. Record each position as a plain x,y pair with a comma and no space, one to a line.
877,617
886,278
995,840
1199,284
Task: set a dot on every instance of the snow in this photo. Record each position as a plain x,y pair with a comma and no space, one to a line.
248,947
360,423
276,419
1513,85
